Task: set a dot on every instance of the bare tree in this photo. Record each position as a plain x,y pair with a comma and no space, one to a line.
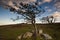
49,19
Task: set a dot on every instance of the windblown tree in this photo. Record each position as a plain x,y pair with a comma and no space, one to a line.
29,11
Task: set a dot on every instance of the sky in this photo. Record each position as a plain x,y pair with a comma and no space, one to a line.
51,7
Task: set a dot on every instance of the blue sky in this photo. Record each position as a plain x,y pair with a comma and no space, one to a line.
6,15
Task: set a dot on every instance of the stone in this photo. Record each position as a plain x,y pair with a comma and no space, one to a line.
27,34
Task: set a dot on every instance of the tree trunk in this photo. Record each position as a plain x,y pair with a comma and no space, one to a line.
35,29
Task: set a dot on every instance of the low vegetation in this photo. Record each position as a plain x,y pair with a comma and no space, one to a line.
10,32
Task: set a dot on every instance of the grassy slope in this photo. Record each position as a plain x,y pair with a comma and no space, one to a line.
10,32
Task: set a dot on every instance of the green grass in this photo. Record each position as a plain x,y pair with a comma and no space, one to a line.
11,32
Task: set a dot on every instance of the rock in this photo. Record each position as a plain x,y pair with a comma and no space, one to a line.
40,31
19,37
46,36
27,34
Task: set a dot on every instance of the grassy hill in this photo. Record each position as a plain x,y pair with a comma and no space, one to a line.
10,32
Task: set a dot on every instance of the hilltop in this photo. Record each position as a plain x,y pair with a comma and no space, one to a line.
10,32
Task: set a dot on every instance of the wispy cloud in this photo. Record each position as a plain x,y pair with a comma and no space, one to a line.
57,5
46,7
10,3
17,1
56,14
49,10
47,0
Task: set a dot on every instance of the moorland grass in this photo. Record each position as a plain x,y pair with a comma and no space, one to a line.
11,32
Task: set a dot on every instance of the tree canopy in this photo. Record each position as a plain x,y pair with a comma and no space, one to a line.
29,10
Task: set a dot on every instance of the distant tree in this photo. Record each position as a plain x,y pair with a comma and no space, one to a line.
49,19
